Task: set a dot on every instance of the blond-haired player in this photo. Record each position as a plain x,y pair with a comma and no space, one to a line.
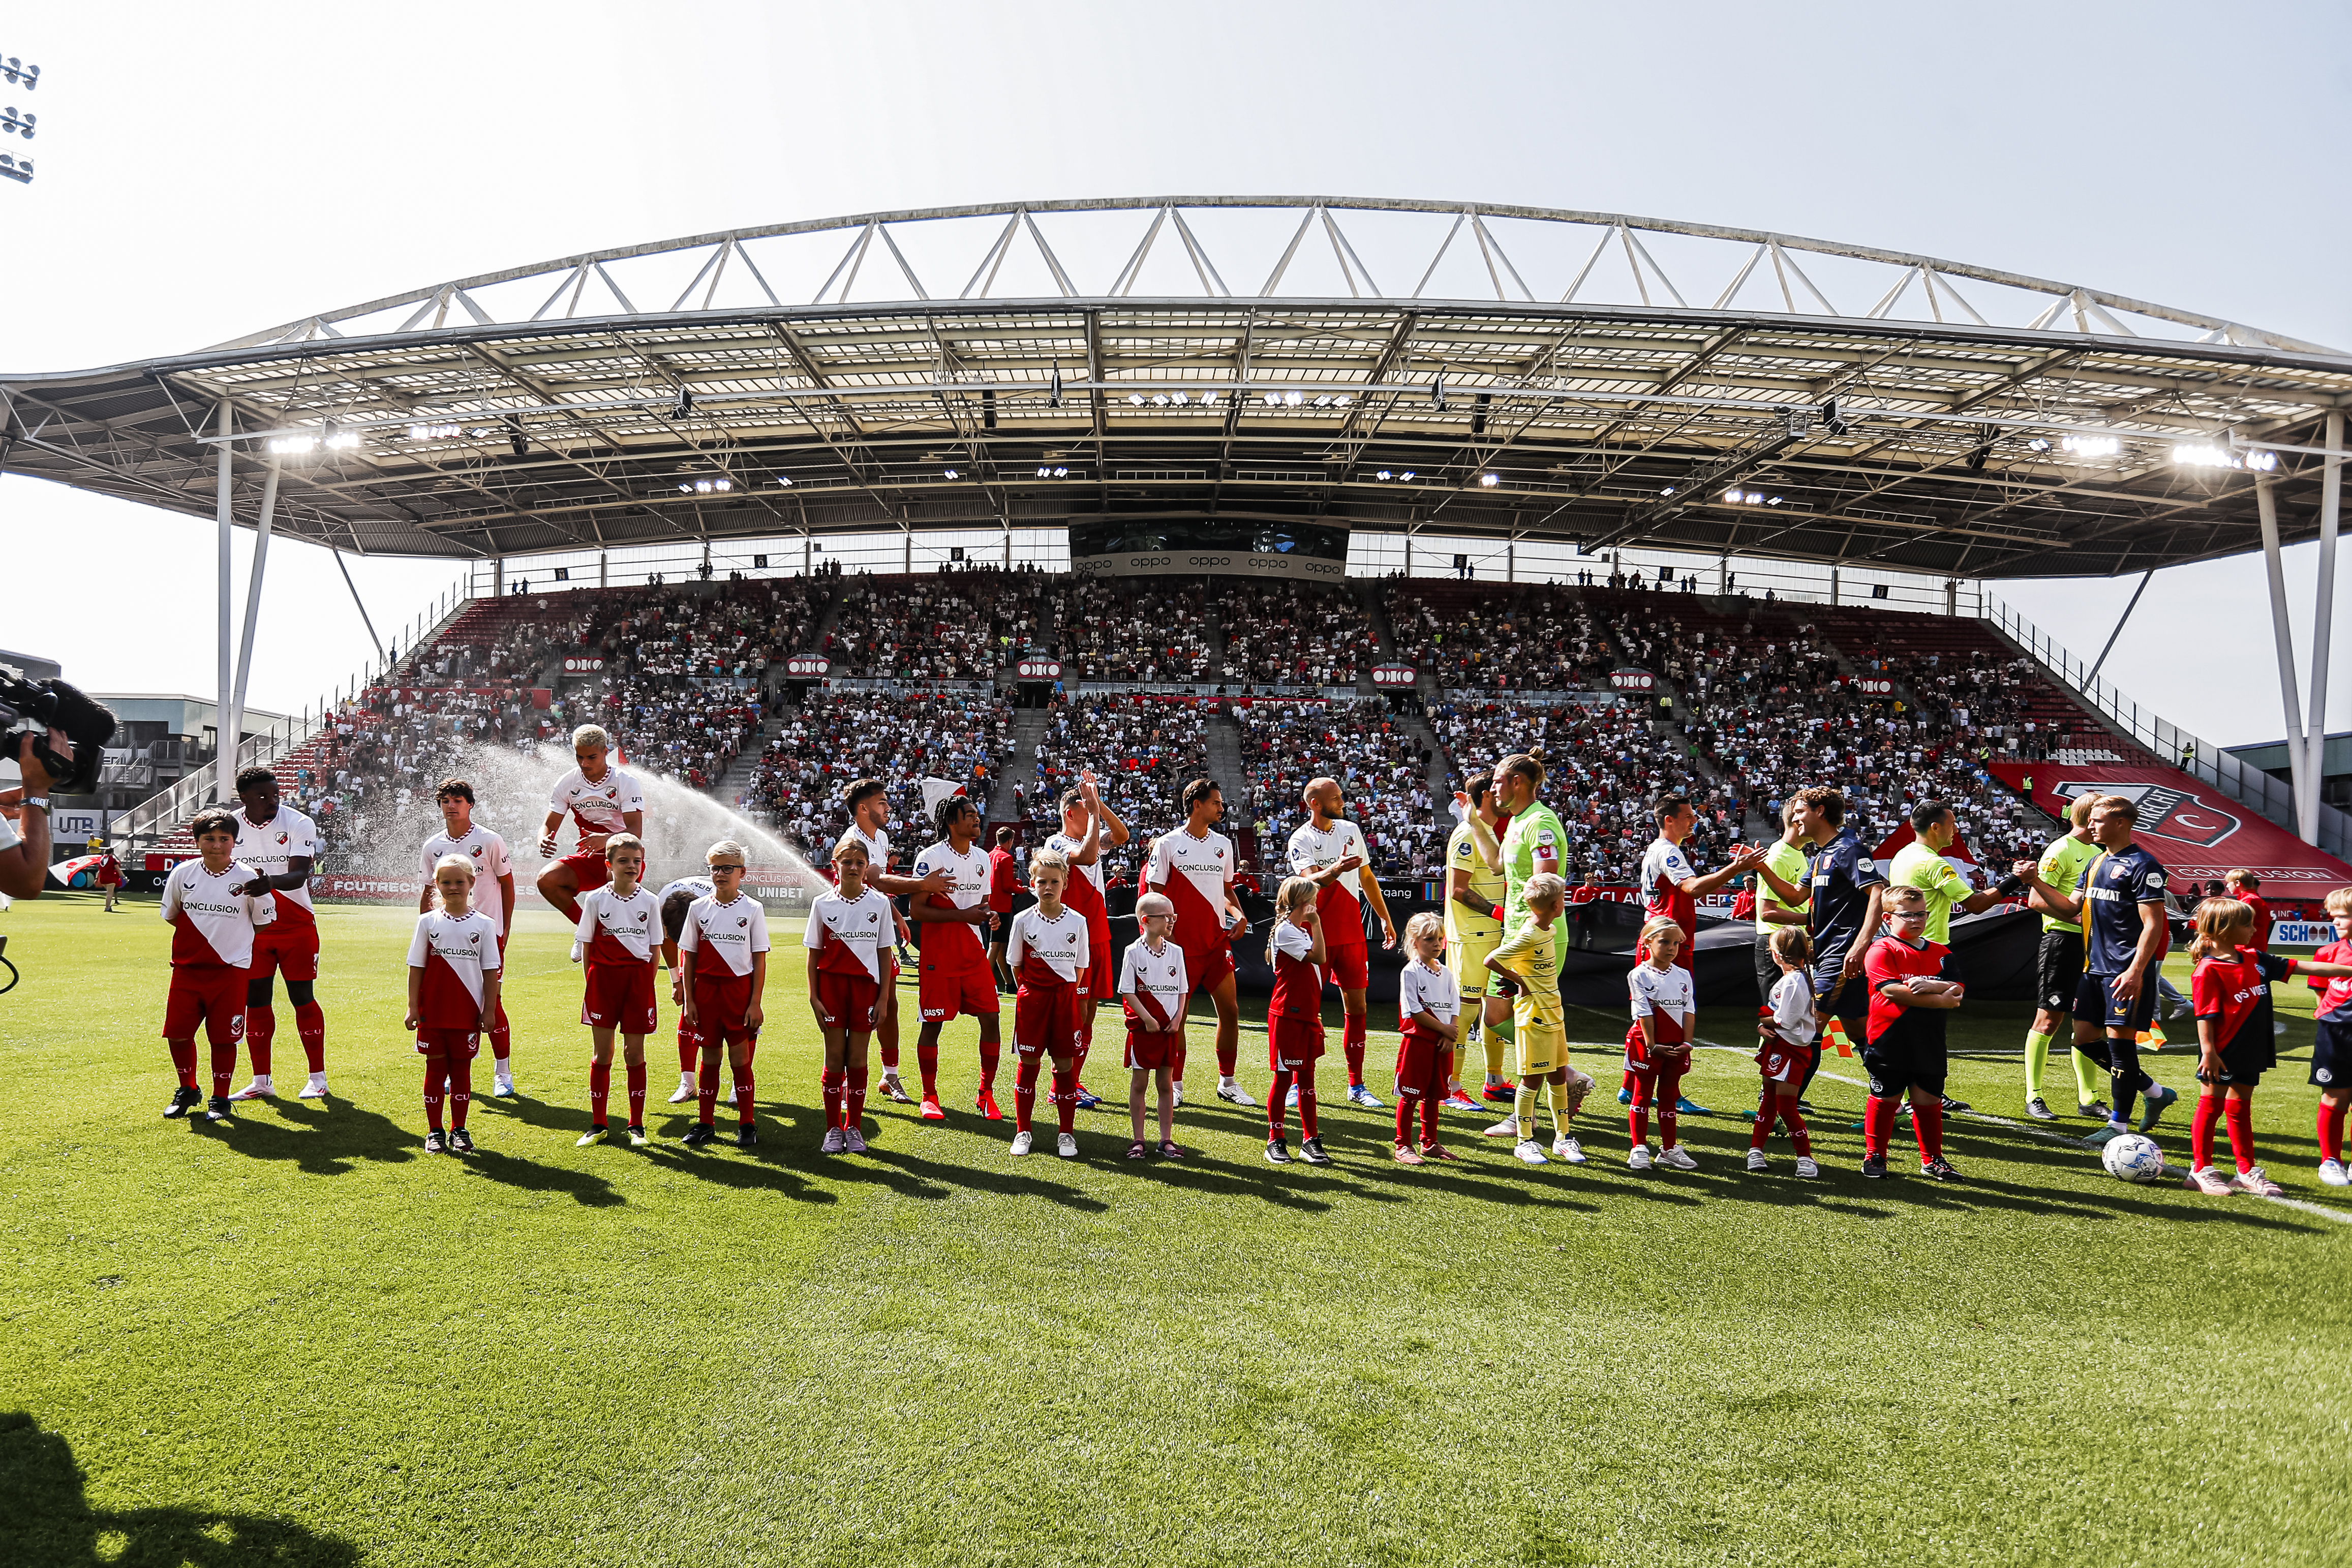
604,800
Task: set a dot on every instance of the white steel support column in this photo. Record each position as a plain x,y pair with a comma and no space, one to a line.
2283,634
1722,576
1833,587
498,576
224,757
252,613
2323,614
600,569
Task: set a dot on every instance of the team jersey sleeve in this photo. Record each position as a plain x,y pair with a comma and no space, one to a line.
1016,941
171,904
1867,873
630,797
302,837
1513,952
1645,1005
2272,966
495,859
555,797
1677,867
814,931
1793,1005
424,859
262,909
2152,886
690,936
587,927
1293,940
1086,952
419,944
492,960
1155,870
758,928
1943,879
1126,986
1302,858
1878,968
2205,989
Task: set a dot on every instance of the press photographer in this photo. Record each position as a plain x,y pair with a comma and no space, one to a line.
58,736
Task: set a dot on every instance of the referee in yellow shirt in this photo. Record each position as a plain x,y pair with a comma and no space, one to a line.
1785,862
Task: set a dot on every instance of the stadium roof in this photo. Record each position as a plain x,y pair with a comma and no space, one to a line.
1560,375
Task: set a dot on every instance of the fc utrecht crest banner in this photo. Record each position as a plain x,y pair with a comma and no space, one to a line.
2192,827
936,790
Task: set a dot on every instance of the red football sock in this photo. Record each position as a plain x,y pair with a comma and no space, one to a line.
637,1072
461,1087
600,1090
312,1025
1086,1045
2331,1130
436,1073
988,1055
1024,1093
224,1070
1307,1101
1628,1083
1229,1053
830,1083
1176,1061
889,1040
1066,1097
1765,1115
260,1029
2200,1130
1275,1097
688,1052
744,1095
1794,1120
2239,1115
1637,1120
1351,1039
501,1039
184,1063
1429,1108
1404,1118
1877,1125
852,1114
1670,1087
706,1097
1927,1126
927,1062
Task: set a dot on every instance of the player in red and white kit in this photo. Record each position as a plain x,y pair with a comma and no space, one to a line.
952,973
1152,989
486,852
1671,890
1195,866
676,897
619,924
869,817
1089,828
454,968
1052,962
1294,1019
1329,851
281,844
725,980
847,935
213,919
604,800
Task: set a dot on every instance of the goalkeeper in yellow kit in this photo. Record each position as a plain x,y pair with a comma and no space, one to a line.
1473,895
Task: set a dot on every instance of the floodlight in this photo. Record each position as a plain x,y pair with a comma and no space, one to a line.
1773,501
1667,491
292,443
1406,474
1381,475
432,432
1208,399
16,73
2092,445
1342,401
1135,398
1323,402
2039,444
1490,480
1754,497
1159,400
1061,473
1732,496
951,473
22,172
2261,462
782,479
1273,400
1178,399
341,440
21,121
1044,473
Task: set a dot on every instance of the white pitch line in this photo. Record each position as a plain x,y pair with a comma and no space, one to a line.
2296,1203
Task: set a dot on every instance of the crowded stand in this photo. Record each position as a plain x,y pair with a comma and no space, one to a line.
690,735
1604,764
1382,770
1157,634
1293,634
816,751
1141,748
955,625
1528,638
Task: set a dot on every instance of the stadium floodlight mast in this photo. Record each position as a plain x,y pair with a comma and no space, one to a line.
16,73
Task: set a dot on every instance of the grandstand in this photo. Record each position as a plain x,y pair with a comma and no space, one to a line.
1234,482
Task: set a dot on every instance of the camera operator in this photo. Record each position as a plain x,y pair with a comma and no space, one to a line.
25,827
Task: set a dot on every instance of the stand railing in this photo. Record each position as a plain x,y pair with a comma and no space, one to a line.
2191,754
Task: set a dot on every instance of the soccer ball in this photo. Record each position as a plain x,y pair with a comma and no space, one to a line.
2133,1157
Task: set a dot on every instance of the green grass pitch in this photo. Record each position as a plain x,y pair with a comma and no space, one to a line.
302,1341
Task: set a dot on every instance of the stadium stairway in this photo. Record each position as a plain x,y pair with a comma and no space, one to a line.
1754,826
1369,596
1003,806
1223,744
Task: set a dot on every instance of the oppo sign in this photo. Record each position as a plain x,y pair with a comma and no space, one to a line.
1634,680
1871,685
1038,670
582,666
1393,675
807,666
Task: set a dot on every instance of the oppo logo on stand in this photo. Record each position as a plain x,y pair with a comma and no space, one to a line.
1634,680
807,664
1393,675
582,666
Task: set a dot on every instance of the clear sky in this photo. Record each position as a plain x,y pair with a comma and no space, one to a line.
204,171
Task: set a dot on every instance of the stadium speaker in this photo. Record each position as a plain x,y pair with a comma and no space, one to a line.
988,409
759,563
1438,390
684,406
1054,390
564,574
1478,420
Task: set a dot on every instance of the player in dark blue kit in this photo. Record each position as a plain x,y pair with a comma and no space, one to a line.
1843,918
2120,901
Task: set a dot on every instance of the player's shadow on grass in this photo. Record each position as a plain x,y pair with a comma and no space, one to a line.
539,1176
46,1519
319,1140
